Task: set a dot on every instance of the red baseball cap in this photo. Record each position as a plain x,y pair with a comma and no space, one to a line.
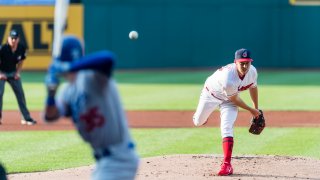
242,55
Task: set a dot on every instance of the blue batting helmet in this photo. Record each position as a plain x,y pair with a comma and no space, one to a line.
71,50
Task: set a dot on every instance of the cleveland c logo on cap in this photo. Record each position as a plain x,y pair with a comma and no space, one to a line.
244,54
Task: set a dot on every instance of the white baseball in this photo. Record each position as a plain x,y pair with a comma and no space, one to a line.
133,35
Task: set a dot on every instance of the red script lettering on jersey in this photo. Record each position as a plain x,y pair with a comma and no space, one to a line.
244,87
92,119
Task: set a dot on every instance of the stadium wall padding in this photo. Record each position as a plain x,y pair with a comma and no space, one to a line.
204,33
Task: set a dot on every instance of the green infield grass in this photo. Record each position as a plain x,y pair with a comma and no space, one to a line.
49,150
168,90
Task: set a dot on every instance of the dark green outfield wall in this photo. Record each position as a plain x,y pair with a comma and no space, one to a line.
202,33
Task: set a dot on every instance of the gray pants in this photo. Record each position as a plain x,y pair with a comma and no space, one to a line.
18,91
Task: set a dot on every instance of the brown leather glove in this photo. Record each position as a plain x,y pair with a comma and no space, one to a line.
257,124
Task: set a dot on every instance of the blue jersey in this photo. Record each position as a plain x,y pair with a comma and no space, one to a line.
93,102
91,99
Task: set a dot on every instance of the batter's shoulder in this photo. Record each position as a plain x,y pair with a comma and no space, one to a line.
91,82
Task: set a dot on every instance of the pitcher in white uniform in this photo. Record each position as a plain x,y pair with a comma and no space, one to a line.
221,91
91,98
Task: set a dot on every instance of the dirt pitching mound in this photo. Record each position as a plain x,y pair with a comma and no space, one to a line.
191,167
80,173
201,167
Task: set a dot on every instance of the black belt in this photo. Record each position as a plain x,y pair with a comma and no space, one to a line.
213,94
106,152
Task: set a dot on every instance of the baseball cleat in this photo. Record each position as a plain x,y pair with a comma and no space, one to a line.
28,122
226,169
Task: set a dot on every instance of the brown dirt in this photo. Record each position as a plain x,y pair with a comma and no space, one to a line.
80,173
190,166
201,167
171,119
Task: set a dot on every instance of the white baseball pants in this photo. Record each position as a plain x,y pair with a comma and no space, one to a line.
207,104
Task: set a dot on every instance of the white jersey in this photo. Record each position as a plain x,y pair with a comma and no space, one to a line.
94,104
225,82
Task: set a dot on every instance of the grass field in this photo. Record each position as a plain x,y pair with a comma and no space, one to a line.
285,90
180,90
43,151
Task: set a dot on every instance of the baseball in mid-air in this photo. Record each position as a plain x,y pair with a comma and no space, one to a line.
133,35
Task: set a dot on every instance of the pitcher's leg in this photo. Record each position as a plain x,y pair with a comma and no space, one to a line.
226,167
228,116
205,107
2,83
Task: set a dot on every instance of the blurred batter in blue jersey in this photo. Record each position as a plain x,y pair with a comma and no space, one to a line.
91,98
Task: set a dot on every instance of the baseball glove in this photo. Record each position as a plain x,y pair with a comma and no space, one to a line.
257,124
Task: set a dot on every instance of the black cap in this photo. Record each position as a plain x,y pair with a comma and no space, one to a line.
14,34
242,55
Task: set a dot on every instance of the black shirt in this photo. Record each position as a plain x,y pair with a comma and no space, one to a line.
10,59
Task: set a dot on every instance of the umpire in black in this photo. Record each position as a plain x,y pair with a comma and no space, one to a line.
12,55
